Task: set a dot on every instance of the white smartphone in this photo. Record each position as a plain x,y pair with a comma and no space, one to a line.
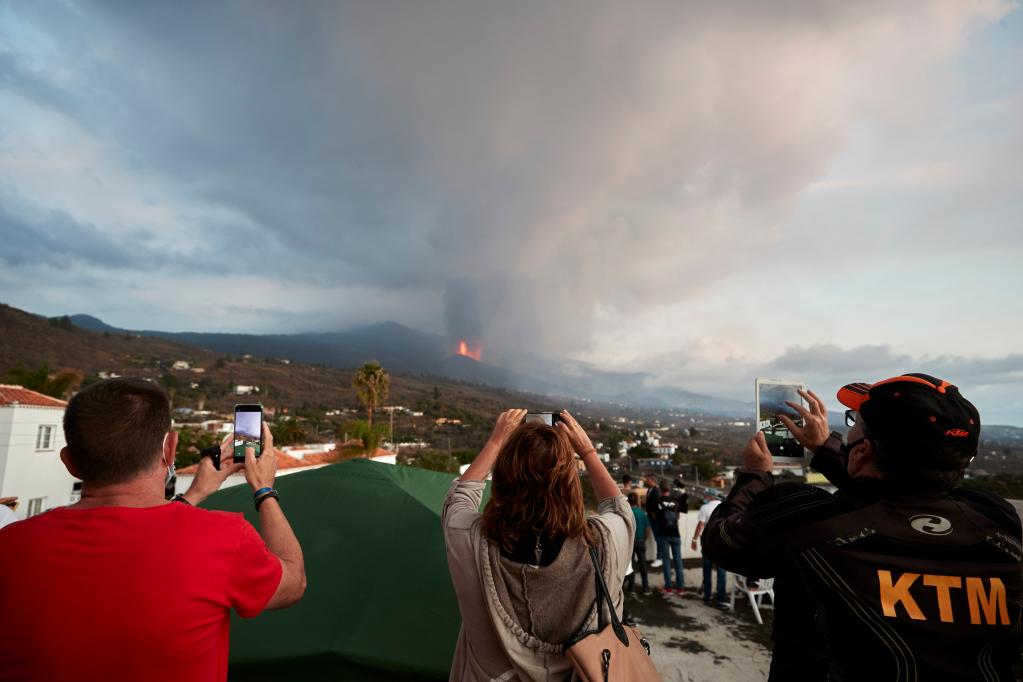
771,396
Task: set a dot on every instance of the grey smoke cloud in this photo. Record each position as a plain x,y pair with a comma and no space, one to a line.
527,173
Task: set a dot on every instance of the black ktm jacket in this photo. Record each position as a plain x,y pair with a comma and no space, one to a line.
875,583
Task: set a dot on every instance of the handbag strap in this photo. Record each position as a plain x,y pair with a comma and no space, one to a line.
603,596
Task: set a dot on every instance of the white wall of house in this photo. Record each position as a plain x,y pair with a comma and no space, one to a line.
30,466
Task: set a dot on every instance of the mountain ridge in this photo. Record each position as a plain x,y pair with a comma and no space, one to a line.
405,349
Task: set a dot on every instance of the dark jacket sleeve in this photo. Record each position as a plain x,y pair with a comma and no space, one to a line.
834,464
732,538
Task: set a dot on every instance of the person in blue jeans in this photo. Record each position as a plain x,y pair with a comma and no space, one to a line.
708,566
638,546
668,507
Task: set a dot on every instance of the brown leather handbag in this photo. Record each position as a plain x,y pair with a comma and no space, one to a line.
613,652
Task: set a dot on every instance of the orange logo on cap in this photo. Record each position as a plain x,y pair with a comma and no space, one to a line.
958,433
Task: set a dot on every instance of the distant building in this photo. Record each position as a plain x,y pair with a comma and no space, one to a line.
31,437
181,364
440,421
665,449
199,370
241,389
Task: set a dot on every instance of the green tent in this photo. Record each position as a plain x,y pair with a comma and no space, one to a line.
379,603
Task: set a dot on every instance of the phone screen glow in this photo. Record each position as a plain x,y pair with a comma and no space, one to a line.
246,432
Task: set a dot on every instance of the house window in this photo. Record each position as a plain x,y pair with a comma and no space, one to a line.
44,437
35,506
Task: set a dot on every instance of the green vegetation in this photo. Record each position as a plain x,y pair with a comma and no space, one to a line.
40,380
190,442
371,435
1009,486
438,460
371,383
63,322
288,432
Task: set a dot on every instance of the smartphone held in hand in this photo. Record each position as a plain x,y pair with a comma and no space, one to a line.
548,418
771,398
248,430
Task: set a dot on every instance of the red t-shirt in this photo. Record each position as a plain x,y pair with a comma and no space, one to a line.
118,593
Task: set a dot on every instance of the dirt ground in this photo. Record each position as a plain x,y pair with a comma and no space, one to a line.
696,642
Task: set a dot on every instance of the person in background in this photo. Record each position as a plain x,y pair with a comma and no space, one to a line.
521,569
125,585
638,546
652,495
626,485
706,510
669,507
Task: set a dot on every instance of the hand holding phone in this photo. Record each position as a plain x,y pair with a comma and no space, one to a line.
261,472
548,418
812,430
778,403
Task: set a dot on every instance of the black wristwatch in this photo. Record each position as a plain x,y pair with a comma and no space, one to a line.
180,498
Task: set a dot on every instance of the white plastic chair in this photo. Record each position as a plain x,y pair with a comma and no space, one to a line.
765,586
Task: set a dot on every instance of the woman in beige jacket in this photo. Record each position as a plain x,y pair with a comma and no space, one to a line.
521,570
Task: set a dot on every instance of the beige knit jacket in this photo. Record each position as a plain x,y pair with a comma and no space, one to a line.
505,605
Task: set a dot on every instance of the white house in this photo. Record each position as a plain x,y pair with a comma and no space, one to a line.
241,389
181,364
31,437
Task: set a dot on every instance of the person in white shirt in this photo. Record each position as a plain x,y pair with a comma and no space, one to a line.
703,516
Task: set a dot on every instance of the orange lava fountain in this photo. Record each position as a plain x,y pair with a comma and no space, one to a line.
474,352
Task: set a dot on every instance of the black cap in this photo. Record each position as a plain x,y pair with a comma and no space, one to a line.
916,412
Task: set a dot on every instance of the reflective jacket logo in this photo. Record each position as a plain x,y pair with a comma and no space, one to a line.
931,525
985,605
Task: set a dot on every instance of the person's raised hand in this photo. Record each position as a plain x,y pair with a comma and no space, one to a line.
814,431
756,456
261,471
507,421
207,478
576,434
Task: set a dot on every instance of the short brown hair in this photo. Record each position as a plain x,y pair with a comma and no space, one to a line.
535,489
115,429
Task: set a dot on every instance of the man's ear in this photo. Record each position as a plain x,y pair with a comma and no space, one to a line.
170,448
69,464
862,459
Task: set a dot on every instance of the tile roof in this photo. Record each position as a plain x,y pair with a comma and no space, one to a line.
17,395
284,461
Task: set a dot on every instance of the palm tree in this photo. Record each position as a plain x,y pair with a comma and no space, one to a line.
371,382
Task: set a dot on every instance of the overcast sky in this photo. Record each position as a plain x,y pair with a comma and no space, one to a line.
704,191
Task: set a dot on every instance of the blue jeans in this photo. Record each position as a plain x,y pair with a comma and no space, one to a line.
638,564
708,566
664,543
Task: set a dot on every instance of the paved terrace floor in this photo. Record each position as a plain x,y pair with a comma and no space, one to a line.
696,642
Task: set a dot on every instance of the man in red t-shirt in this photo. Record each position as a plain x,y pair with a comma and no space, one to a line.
124,585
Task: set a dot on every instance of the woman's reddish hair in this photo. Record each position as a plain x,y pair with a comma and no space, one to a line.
535,489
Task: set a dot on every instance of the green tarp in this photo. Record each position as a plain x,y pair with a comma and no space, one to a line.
379,603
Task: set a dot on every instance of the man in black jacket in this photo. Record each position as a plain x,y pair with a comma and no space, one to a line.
899,575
